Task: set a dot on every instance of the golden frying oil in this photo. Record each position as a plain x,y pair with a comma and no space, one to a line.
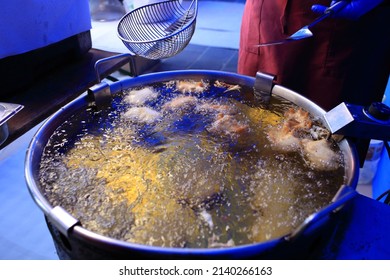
204,176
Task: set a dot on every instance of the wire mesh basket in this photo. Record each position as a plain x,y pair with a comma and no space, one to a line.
159,30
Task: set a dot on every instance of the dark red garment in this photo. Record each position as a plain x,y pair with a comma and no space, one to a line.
344,61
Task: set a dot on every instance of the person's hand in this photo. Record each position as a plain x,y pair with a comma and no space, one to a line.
354,9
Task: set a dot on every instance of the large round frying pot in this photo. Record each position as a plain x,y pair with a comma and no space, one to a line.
73,241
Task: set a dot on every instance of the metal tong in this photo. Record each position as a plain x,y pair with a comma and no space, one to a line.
305,32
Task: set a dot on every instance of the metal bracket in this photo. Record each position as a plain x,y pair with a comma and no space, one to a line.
361,124
62,220
357,121
100,95
263,87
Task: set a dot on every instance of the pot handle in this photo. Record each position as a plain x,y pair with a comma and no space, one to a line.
103,60
100,94
343,196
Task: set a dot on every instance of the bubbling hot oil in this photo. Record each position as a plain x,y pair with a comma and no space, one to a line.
200,176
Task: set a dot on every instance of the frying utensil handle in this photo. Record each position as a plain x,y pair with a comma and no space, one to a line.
335,8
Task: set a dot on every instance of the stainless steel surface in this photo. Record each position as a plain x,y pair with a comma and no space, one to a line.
360,123
62,220
159,30
305,32
263,87
7,111
355,121
82,237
